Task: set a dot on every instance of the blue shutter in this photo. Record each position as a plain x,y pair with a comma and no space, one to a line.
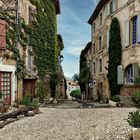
127,33
135,71
120,75
138,28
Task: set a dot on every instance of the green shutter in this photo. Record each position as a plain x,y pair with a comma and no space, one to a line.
120,75
127,33
135,71
138,28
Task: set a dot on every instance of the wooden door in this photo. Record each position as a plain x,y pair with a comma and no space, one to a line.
29,86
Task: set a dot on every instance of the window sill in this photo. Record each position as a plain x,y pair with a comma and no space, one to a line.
100,51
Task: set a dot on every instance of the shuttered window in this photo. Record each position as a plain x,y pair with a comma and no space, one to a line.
120,76
134,30
132,72
107,40
127,33
2,34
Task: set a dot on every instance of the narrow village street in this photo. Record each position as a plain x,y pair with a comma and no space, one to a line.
66,121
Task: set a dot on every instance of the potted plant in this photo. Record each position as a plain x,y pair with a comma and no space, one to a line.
134,121
1,99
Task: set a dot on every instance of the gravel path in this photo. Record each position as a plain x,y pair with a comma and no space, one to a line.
71,124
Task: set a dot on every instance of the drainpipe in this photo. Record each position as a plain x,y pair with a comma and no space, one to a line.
17,38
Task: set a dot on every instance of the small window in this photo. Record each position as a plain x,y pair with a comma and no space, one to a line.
30,15
134,30
93,48
111,7
100,65
100,43
101,19
129,74
94,68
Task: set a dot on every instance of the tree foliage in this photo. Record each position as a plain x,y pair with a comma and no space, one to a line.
84,75
115,56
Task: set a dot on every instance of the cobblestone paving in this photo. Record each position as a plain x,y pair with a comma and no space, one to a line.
71,124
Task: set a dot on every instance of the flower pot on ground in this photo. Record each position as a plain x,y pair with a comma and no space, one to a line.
115,101
1,100
134,122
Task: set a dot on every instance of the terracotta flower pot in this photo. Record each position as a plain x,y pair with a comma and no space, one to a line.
136,133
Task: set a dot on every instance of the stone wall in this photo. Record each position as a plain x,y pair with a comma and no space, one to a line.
129,90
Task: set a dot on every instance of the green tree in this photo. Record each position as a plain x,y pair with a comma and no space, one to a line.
84,75
115,56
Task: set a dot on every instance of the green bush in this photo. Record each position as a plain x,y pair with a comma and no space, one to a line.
35,103
27,99
41,90
115,98
76,93
136,98
137,81
134,119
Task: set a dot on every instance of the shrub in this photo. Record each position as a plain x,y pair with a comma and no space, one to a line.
137,81
76,93
0,94
134,119
27,99
115,98
35,103
41,90
136,98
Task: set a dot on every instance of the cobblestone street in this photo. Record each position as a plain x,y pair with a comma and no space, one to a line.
71,124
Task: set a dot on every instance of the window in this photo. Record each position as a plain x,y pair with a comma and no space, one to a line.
94,68
30,57
5,86
30,15
111,7
131,73
100,43
100,65
100,19
134,30
93,48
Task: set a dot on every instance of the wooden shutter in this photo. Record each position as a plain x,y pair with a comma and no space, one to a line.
120,75
135,71
107,40
2,34
127,33
138,28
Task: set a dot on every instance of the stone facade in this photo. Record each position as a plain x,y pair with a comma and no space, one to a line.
17,88
100,22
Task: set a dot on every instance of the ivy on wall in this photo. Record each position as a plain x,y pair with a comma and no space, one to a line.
42,36
115,56
84,75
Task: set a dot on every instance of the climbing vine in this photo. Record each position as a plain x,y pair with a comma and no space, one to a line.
42,36
115,56
84,75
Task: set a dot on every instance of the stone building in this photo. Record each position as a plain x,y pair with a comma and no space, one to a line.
11,87
128,14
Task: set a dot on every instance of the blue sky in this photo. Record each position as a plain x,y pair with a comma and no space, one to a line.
73,26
